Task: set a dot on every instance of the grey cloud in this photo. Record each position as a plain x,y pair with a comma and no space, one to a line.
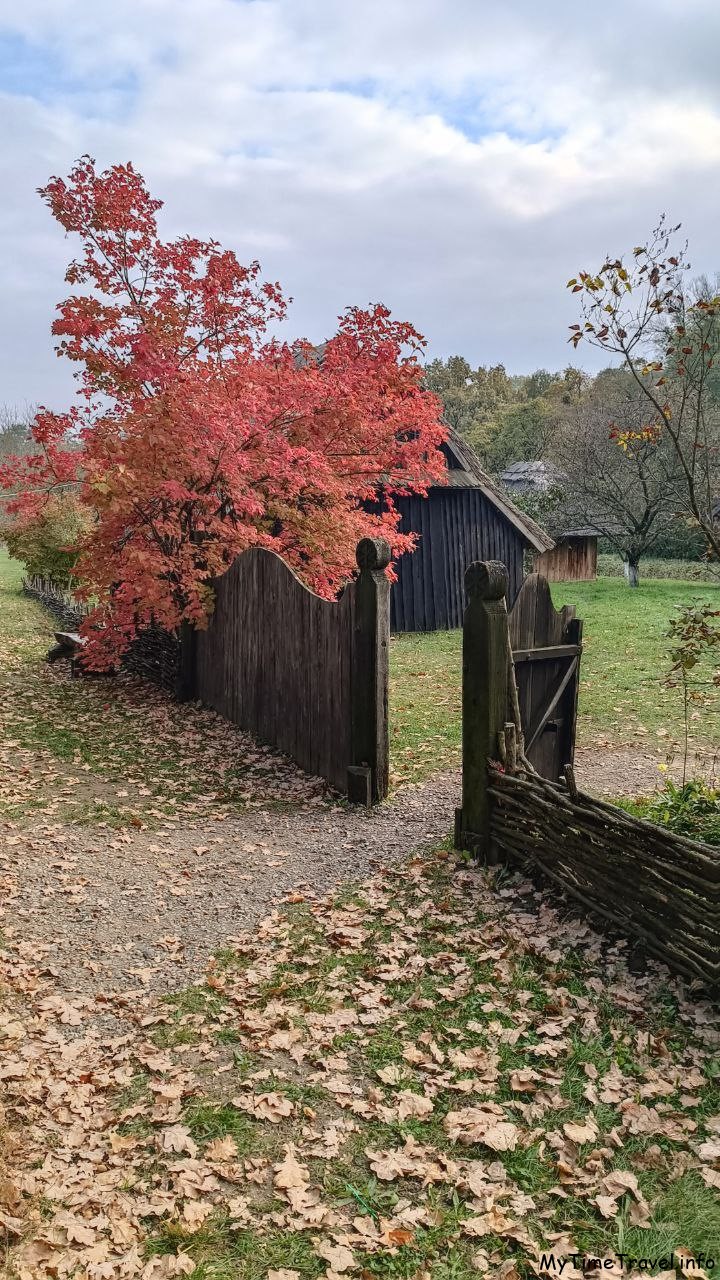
328,141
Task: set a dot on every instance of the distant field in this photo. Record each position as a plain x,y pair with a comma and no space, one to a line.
10,571
621,696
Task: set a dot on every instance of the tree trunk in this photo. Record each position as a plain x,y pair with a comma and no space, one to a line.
630,569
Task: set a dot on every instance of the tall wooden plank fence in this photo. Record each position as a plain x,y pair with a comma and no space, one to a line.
658,887
306,675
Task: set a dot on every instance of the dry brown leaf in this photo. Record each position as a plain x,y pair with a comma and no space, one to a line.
619,1181
178,1138
413,1104
195,1212
221,1149
581,1133
290,1174
494,1222
482,1125
608,1206
524,1080
338,1255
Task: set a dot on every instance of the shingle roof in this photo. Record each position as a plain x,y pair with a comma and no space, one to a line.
531,476
572,518
470,475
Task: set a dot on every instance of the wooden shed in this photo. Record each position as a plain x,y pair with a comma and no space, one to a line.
468,519
573,558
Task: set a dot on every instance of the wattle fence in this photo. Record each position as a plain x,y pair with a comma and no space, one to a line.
651,884
154,654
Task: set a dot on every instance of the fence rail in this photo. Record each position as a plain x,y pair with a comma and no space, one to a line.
654,885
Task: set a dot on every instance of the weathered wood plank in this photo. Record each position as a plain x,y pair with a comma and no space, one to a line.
305,675
484,700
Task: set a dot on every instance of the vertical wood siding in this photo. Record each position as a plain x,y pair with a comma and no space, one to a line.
456,527
572,560
276,660
305,675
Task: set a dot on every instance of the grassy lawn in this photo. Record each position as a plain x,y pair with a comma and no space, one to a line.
420,1079
622,699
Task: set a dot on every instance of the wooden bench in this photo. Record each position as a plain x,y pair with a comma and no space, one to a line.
69,645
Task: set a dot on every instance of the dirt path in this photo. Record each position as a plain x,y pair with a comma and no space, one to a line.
143,910
634,771
117,909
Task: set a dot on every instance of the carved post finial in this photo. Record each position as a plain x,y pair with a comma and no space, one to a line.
372,553
486,579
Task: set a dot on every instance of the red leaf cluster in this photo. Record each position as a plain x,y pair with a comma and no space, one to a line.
200,433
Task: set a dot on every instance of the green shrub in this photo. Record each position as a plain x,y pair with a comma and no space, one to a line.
47,543
691,809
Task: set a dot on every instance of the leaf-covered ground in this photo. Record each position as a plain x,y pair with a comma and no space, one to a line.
432,1076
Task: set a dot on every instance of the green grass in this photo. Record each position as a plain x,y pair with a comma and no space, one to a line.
622,699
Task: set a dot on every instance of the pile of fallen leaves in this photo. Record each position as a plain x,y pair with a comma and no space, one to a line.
431,1077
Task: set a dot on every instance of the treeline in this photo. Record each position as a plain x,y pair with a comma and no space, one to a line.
505,418
609,467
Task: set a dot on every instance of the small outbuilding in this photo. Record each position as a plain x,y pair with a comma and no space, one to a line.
573,558
470,518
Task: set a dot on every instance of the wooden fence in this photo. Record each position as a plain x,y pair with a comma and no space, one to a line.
306,675
653,885
546,644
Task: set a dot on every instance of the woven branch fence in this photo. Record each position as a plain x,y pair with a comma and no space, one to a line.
153,655
653,885
650,883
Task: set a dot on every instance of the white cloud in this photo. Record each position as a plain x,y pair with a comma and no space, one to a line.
457,159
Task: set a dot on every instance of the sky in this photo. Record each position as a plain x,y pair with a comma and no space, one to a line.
455,159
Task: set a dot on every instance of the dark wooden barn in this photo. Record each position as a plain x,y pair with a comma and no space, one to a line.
468,519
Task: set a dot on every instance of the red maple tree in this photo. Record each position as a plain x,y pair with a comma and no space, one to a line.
198,433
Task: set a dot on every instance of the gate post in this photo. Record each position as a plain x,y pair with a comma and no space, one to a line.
484,700
367,776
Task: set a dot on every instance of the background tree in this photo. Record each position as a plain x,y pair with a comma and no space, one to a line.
519,432
505,419
47,542
196,435
16,429
623,476
667,333
471,398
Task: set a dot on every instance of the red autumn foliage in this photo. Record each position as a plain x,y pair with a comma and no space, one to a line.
199,433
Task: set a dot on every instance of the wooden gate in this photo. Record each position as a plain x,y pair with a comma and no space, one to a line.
546,644
545,647
305,675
